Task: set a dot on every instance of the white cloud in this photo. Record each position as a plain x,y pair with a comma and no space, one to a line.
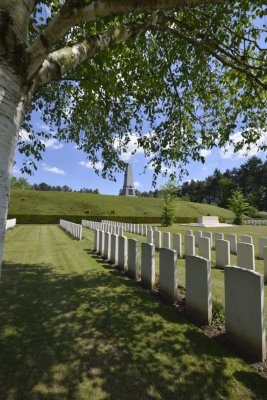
16,170
137,184
52,144
246,151
44,127
205,153
24,135
90,165
54,170
131,147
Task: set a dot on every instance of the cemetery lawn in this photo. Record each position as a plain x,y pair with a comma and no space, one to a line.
72,327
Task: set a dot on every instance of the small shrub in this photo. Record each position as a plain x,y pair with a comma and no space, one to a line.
112,212
218,315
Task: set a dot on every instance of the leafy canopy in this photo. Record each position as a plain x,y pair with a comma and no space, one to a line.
191,79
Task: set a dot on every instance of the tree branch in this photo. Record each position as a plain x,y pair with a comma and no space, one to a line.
61,61
212,48
72,14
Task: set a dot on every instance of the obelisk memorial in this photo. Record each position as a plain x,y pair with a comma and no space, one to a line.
128,186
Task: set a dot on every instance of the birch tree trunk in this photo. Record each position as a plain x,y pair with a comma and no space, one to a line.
12,104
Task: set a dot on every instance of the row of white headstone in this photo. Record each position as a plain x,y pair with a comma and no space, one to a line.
10,223
73,229
260,222
223,248
117,227
244,319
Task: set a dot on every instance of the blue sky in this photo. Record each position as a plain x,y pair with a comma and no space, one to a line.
63,164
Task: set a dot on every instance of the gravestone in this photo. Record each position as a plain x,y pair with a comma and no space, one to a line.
244,310
107,246
122,252
232,238
157,239
265,262
114,249
198,235
204,248
198,288
189,245
246,239
177,243
245,255
166,240
148,275
168,274
133,258
222,248
262,244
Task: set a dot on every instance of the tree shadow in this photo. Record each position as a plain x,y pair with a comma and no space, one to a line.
96,335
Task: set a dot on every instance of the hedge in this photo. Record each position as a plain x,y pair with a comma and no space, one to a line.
54,219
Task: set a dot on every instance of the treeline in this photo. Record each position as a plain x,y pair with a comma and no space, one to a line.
22,183
250,179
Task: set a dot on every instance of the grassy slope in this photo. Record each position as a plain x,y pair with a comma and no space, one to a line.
36,202
74,328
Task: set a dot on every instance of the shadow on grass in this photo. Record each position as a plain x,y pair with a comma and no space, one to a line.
98,336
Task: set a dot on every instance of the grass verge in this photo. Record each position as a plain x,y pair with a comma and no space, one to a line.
74,328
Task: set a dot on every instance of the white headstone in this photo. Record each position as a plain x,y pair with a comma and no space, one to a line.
122,252
262,244
189,245
245,255
246,239
204,248
168,274
133,258
198,288
157,239
222,248
166,240
114,249
148,274
232,238
177,243
244,310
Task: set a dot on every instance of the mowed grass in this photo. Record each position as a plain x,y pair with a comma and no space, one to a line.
72,327
60,203
217,274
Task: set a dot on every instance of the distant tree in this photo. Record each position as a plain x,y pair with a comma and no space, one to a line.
169,193
238,205
20,183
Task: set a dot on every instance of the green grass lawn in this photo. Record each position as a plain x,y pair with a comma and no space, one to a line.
72,327
60,203
217,274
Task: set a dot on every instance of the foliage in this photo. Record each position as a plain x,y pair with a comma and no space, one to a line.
218,313
154,72
238,205
250,178
20,183
169,192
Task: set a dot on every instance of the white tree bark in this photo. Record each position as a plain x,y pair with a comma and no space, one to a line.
11,114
